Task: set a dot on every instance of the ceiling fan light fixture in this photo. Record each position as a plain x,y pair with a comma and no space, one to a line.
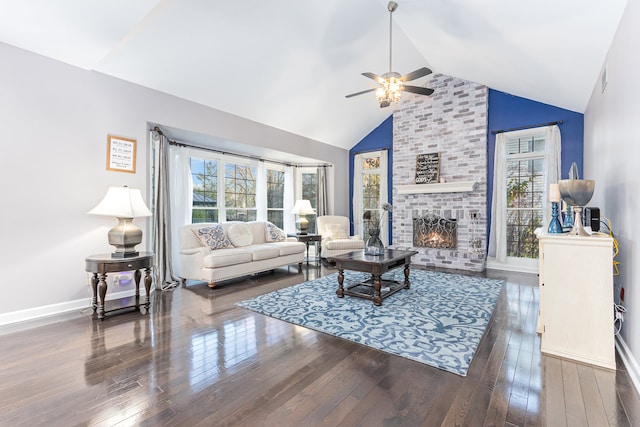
390,91
392,83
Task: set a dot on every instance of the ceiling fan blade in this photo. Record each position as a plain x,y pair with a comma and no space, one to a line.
384,104
421,72
419,90
359,93
374,77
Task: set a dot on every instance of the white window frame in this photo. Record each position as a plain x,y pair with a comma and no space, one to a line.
298,189
279,168
358,207
551,168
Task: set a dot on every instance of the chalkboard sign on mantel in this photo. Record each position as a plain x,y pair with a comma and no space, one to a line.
427,168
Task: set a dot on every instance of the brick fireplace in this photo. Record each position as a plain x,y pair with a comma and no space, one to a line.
452,122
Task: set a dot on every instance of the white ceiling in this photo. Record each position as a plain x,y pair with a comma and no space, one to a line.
290,63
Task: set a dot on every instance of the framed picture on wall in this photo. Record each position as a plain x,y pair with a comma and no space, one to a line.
121,154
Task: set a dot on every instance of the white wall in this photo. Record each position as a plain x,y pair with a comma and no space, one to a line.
611,157
54,121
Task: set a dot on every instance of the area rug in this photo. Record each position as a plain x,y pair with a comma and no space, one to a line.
439,321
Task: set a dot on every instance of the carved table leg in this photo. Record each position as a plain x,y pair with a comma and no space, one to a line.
377,284
340,291
147,287
406,276
102,289
94,286
136,276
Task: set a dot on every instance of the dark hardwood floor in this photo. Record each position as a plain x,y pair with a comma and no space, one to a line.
196,359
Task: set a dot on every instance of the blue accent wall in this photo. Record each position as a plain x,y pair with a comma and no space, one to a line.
508,111
378,139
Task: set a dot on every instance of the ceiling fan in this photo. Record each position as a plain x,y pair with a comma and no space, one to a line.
392,83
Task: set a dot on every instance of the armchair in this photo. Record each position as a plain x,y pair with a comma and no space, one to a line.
334,230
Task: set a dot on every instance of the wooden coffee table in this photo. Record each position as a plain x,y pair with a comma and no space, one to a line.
376,288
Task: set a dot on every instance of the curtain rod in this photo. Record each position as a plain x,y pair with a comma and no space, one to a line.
245,156
559,122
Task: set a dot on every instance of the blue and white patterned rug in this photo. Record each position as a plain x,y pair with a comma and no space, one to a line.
439,321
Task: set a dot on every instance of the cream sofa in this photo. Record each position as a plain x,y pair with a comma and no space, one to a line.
334,230
251,253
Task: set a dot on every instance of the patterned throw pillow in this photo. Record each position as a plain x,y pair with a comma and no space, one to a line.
213,237
337,231
274,234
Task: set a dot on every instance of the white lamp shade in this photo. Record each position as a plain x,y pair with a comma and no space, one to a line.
122,202
303,207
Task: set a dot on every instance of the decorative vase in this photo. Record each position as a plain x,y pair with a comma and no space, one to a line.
567,221
374,245
555,226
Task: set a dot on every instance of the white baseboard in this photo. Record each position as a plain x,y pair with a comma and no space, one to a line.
629,361
518,267
64,307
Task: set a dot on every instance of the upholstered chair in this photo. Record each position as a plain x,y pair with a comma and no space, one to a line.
336,240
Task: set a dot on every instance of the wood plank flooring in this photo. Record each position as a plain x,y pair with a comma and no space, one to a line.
197,360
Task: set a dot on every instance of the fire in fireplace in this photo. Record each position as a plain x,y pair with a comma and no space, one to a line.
433,231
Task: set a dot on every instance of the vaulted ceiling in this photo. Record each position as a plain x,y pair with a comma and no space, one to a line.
290,63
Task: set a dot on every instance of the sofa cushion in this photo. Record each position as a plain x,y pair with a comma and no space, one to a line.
273,233
344,244
337,231
225,257
212,237
240,235
289,248
264,251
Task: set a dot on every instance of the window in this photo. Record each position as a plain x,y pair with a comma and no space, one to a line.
526,161
226,189
275,197
370,191
240,192
204,174
309,191
525,194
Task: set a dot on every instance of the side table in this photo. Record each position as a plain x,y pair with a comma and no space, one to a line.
102,264
306,239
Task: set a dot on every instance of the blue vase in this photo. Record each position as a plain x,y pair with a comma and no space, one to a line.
374,245
568,217
555,226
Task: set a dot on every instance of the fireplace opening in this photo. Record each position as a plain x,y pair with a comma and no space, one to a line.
433,231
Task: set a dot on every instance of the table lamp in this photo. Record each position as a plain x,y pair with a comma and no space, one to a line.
125,204
303,208
555,227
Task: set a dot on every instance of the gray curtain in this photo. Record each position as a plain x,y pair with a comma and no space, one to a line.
323,205
165,279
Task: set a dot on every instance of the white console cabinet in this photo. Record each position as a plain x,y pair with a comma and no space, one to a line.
576,298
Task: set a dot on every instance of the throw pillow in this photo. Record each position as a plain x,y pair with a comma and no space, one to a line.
240,235
274,234
212,237
337,231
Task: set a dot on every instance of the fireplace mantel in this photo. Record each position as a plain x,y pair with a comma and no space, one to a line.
443,187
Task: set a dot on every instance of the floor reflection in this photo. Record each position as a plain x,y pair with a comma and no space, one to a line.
107,345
